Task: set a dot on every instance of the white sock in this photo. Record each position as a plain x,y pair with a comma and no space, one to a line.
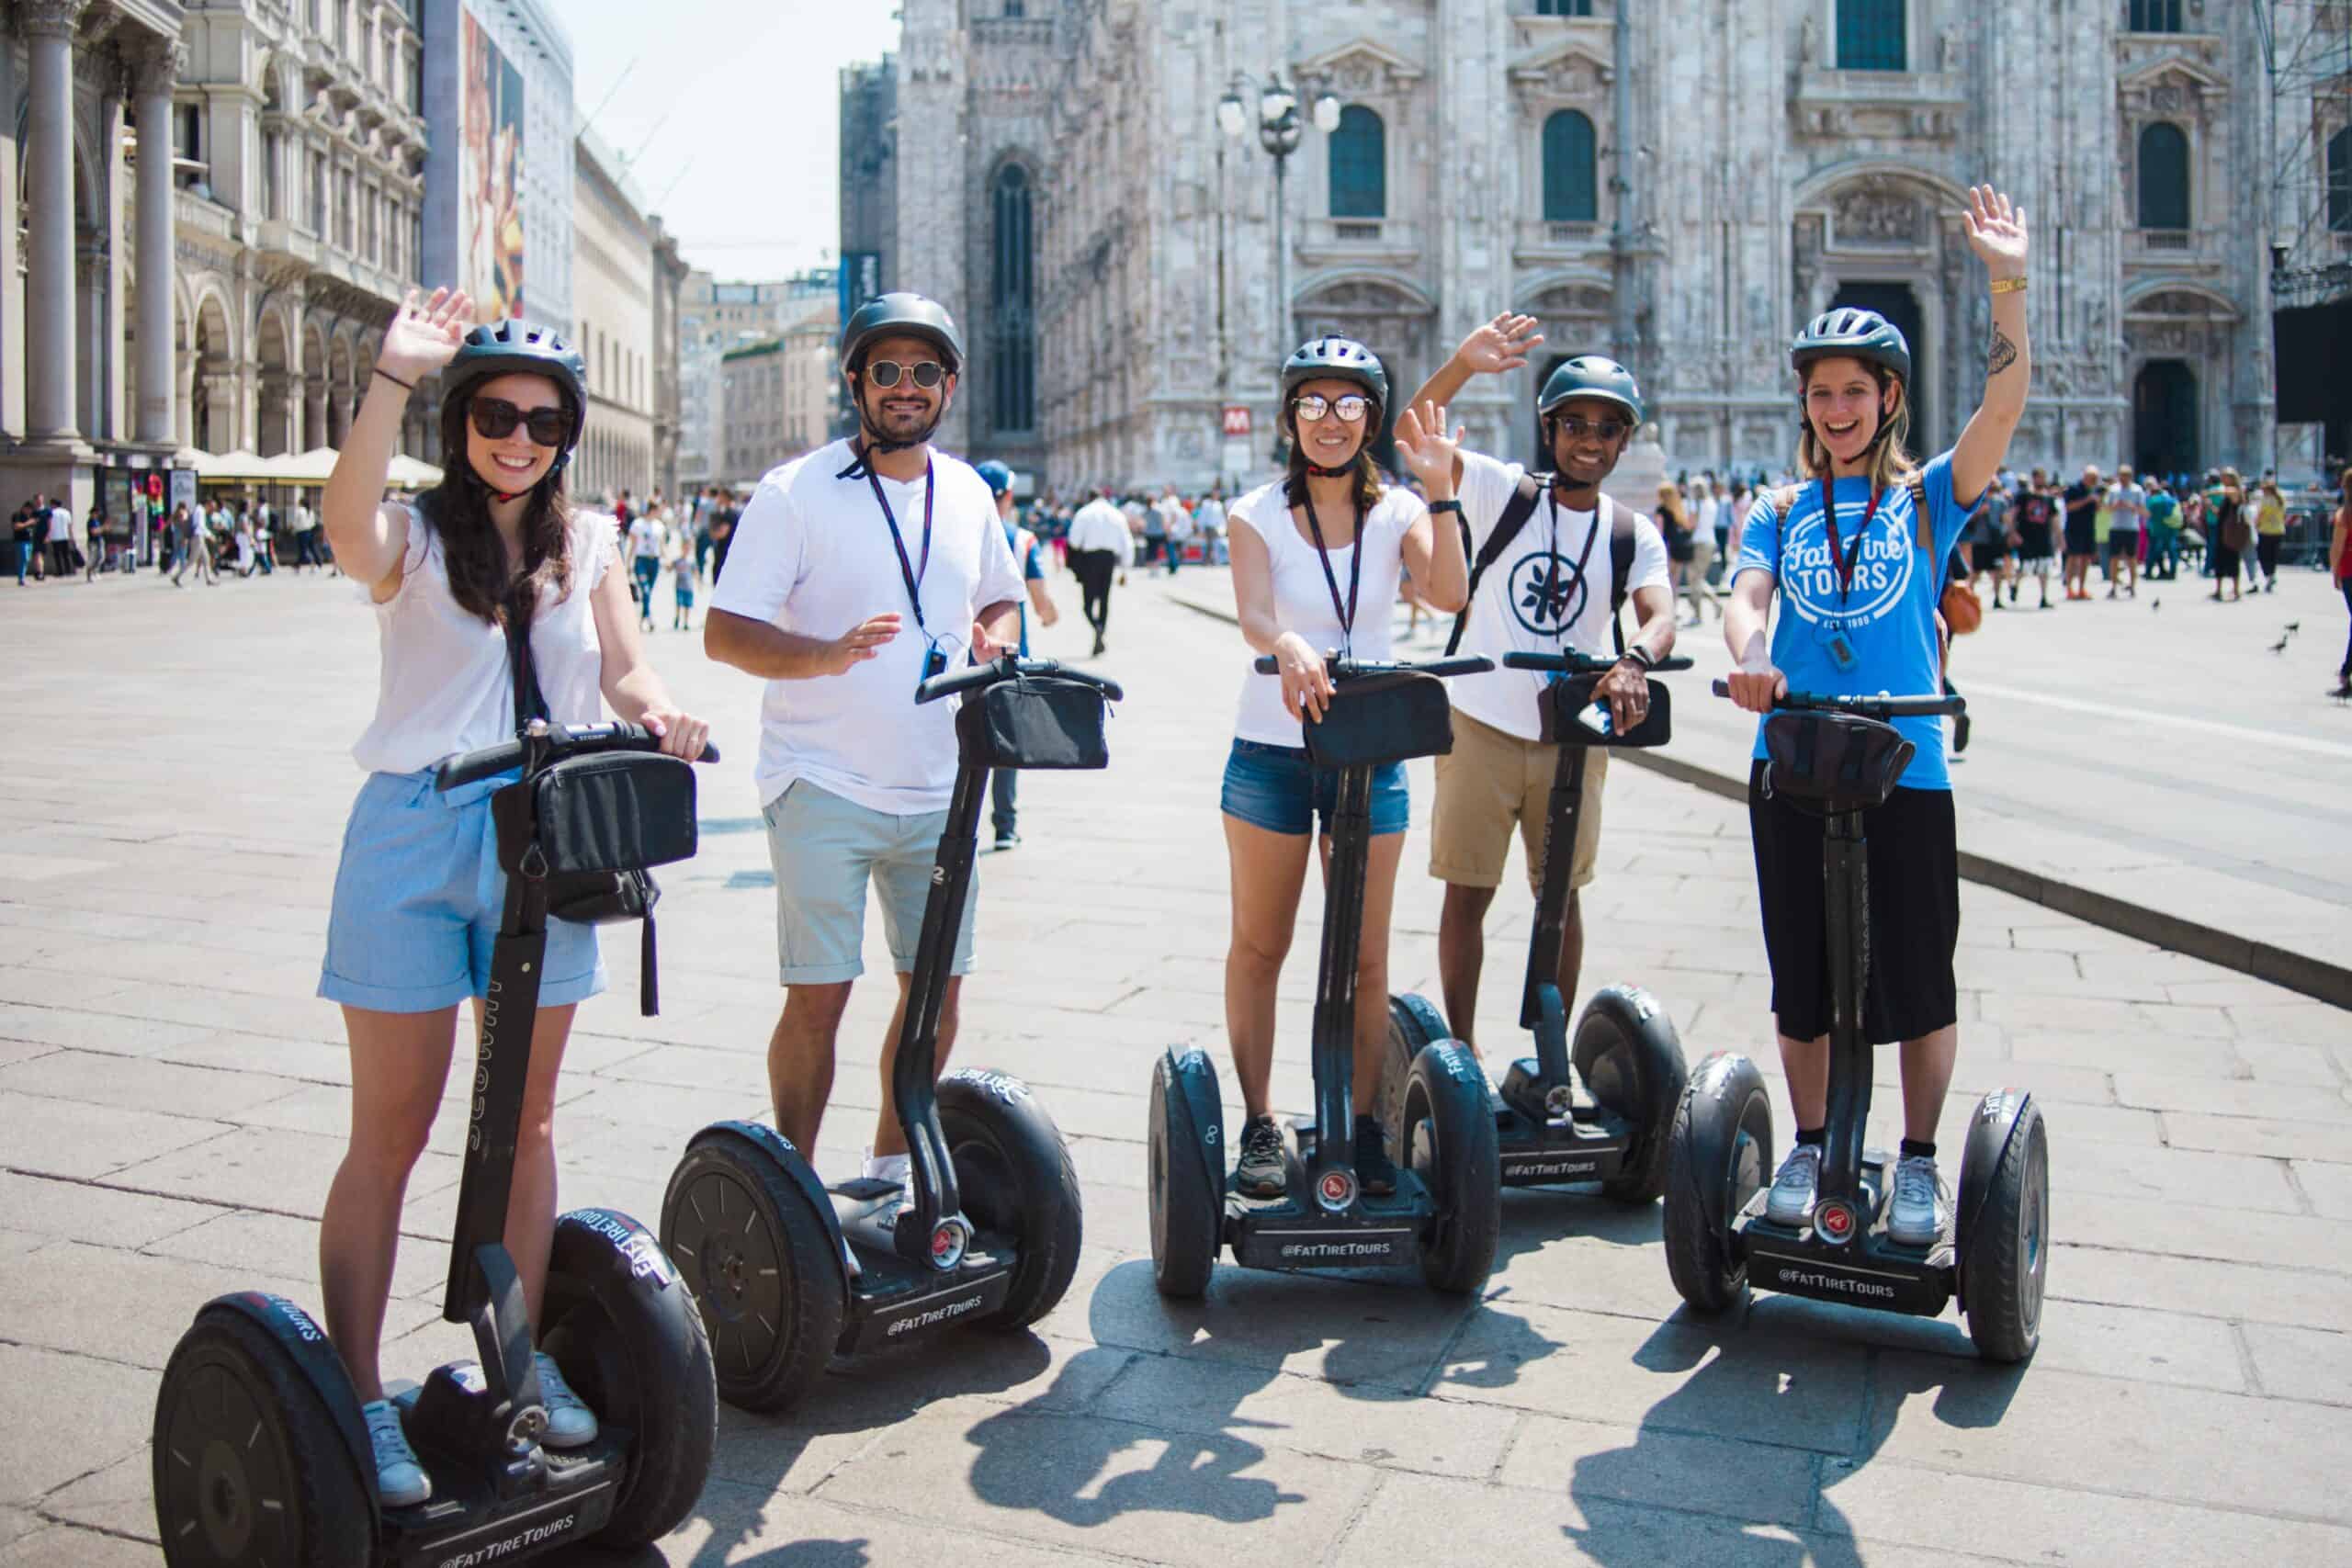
887,1167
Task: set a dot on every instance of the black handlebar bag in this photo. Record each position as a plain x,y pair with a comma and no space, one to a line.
1034,722
1830,762
1382,718
1569,698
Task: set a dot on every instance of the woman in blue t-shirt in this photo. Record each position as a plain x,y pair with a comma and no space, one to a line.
1858,571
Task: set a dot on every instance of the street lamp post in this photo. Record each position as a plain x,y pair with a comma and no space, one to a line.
1280,131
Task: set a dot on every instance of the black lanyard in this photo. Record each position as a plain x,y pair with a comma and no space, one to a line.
1346,613
1852,558
909,571
1552,498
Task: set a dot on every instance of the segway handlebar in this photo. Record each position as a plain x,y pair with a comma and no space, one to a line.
561,741
1570,662
1006,667
1863,707
1356,669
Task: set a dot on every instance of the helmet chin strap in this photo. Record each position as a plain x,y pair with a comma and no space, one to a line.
1320,472
874,443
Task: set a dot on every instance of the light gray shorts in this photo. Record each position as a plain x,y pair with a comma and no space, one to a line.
825,849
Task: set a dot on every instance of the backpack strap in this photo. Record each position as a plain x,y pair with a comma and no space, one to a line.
1621,565
1516,512
1922,532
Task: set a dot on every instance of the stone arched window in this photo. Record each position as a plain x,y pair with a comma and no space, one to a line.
2154,17
1570,190
1012,360
1871,35
2339,181
2164,176
1564,7
1360,164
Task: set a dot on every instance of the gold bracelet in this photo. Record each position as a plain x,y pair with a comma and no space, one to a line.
2008,286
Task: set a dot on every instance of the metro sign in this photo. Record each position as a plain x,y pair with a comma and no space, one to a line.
1237,419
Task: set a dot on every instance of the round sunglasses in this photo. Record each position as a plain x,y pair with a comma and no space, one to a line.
1577,427
494,419
1312,406
885,373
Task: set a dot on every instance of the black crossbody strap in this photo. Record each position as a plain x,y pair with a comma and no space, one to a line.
1516,512
1620,566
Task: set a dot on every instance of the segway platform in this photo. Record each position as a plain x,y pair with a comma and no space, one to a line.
1327,1222
1826,1260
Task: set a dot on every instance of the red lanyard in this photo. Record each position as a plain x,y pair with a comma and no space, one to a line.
1852,558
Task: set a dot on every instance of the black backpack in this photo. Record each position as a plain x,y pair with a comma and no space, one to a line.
1516,512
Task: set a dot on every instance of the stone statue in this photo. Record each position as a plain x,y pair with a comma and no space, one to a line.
1948,50
1809,42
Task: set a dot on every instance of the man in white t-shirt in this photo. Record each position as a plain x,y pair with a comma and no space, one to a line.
1180,529
61,540
1209,518
856,571
1550,588
645,533
1100,545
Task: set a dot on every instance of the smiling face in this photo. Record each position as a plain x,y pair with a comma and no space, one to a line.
1845,405
906,412
1580,454
514,462
1330,442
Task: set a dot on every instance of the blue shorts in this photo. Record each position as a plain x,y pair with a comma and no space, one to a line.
418,897
1273,787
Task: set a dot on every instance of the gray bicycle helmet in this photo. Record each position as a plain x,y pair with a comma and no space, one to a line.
1852,332
1592,376
1335,358
902,314
513,347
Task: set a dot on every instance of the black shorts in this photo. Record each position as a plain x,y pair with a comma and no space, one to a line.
1914,913
2081,540
2033,543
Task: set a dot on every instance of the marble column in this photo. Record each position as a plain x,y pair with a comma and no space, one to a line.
155,68
49,316
314,412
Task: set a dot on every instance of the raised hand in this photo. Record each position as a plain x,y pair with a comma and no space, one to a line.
1501,344
1996,231
422,338
1428,452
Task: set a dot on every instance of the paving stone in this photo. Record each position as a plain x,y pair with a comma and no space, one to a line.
2327,1185
2258,1135
106,1215
139,1084
2287,1062
2230,1182
1086,1483
2230,1235
2110,1341
83,1414
2231,1097
284,1247
76,1138
119,1499
2301,1363
2304,1294
2030,1048
62,1544
260,1168
1755,1480
746,1524
17,1523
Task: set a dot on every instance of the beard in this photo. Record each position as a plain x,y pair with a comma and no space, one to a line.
896,429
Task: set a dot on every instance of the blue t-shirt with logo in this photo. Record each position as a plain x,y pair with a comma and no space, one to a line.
1885,615
1032,570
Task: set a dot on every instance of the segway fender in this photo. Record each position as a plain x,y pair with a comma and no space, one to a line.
1630,1013
1989,1132
1720,1086
1198,1106
304,1340
1416,1012
794,1165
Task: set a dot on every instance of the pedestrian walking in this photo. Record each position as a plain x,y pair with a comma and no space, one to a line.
306,537
2037,512
24,526
1029,556
2339,567
2269,530
644,564
724,517
418,893
1155,531
1175,524
2126,502
1208,517
1697,588
2229,535
61,540
858,570
2163,532
681,590
2081,504
1101,547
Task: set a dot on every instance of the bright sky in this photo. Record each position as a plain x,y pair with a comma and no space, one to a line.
729,112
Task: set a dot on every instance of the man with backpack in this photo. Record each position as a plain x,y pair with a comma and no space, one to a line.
1539,545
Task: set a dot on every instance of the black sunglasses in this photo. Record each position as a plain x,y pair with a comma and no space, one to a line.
494,419
1578,427
885,373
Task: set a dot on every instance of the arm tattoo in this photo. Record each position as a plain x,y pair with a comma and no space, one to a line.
2004,353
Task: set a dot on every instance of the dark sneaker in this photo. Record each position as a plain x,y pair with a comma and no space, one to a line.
1263,1172
1959,734
1007,840
1374,1171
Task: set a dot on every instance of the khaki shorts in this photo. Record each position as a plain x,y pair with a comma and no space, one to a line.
1493,781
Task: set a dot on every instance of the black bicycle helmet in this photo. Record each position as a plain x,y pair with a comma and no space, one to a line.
513,347
1592,376
1852,332
1335,358
910,315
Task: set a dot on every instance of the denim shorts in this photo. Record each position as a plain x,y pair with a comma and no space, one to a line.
418,897
1274,788
825,849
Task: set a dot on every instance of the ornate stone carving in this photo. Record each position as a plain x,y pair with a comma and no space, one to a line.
1948,49
1874,215
50,18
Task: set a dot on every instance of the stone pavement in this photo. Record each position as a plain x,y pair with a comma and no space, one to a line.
171,1099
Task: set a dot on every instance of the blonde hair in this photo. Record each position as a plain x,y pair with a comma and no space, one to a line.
1669,501
1891,465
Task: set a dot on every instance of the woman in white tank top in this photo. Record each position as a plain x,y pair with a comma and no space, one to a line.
1316,563
418,891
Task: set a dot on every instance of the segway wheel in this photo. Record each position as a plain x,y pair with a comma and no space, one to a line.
1717,1154
1630,1058
760,1260
1013,1171
631,1342
1186,1173
248,1464
2008,1251
1452,1147
1413,1022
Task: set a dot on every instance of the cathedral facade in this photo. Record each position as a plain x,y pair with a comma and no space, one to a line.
1062,182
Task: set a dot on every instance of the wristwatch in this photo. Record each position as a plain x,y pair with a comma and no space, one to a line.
1640,656
1437,506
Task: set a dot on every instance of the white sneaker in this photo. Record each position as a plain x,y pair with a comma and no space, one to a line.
893,1167
1916,1217
1795,1188
400,1480
570,1421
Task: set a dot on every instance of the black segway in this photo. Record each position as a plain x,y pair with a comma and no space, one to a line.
1446,1211
261,1457
1598,1111
790,1272
1841,759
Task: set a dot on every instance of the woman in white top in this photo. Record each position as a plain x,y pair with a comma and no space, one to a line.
418,892
1316,563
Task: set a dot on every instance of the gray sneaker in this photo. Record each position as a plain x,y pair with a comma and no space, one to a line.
1916,1217
1263,1172
570,1421
401,1482
1795,1188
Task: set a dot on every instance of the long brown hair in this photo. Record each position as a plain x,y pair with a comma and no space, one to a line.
1891,464
459,509
1367,472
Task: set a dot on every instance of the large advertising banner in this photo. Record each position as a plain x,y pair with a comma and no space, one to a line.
489,177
